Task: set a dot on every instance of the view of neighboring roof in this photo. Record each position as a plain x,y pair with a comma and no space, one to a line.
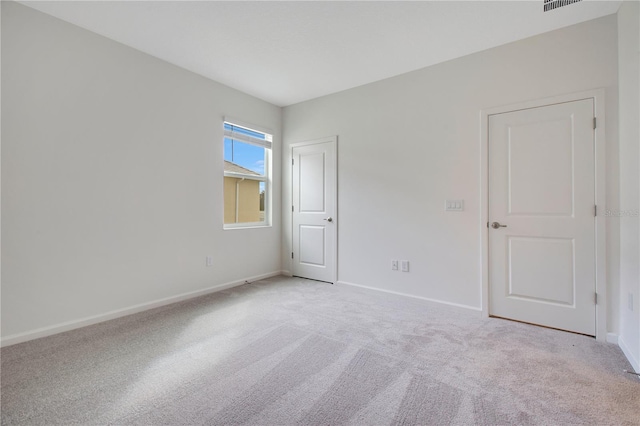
235,168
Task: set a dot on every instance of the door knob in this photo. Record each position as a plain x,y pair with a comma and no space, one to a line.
496,225
329,219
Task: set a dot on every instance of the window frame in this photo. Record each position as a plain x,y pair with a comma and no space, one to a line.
267,144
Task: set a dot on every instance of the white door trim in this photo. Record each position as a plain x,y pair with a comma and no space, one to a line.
334,139
598,96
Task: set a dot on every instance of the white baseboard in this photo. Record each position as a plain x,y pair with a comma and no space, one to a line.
83,322
612,338
627,352
286,273
439,302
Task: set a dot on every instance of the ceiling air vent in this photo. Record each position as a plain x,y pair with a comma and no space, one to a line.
554,4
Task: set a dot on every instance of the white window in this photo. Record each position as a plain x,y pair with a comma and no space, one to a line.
247,178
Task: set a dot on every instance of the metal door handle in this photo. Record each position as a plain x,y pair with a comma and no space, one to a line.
329,219
496,225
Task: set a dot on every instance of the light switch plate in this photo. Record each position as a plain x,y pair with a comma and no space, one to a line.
454,205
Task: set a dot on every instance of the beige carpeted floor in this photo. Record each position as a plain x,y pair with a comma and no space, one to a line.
290,351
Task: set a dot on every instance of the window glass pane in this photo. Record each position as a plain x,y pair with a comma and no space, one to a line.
245,155
262,200
246,176
243,200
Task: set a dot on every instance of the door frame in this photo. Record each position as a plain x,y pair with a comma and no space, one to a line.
598,96
334,140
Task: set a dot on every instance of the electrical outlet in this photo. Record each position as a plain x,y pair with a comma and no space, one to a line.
394,265
209,261
630,301
405,265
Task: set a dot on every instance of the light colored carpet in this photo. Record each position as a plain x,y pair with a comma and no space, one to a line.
289,351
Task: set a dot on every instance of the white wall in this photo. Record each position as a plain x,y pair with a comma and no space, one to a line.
629,82
408,143
112,178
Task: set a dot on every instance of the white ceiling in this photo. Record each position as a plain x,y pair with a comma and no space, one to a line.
289,52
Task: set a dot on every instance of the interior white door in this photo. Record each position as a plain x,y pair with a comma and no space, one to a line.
314,209
542,216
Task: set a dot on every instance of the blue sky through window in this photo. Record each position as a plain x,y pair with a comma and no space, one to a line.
243,154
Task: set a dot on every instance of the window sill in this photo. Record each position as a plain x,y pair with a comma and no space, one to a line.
231,227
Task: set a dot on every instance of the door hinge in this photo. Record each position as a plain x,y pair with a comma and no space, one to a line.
292,209
487,224
292,255
595,298
595,211
292,161
594,123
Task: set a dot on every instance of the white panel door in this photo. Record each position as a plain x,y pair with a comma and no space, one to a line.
314,209
541,216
